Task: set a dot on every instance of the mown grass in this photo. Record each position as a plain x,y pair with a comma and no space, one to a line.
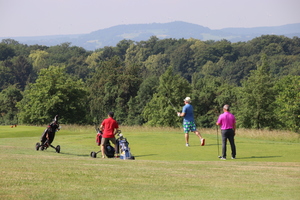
164,168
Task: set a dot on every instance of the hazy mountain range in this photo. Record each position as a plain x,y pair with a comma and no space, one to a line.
138,32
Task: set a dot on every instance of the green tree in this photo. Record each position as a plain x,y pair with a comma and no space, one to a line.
78,67
6,52
256,99
21,71
238,70
172,89
210,69
137,104
136,54
38,58
166,46
282,65
273,49
268,44
93,60
102,88
8,100
107,53
54,92
61,54
122,47
288,102
224,49
294,46
128,85
156,65
112,86
19,49
210,93
6,76
182,61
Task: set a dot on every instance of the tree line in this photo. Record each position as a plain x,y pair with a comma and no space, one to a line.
145,82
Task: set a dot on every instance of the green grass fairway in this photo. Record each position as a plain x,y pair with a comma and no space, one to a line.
164,167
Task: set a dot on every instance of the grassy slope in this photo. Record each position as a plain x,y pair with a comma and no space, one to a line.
164,168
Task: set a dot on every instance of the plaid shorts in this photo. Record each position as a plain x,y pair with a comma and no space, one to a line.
189,126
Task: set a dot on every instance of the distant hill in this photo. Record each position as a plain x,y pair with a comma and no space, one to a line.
142,32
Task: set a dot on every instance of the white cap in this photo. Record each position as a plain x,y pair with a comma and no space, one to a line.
187,99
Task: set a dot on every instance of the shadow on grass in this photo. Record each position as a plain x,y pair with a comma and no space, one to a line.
210,145
88,155
259,157
73,154
144,155
198,145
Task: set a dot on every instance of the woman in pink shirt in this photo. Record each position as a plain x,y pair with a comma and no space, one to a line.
227,123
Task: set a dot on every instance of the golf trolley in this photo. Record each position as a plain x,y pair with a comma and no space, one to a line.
109,150
48,136
121,147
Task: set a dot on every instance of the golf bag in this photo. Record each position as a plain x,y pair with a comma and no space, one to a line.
48,136
109,150
123,148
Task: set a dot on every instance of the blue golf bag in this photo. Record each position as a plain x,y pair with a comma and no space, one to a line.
123,148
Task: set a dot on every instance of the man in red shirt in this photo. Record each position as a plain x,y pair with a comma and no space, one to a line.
109,127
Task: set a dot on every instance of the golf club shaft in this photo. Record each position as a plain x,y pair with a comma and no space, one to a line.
166,95
172,105
218,141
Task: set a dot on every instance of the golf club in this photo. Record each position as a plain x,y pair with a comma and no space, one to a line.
166,96
218,143
171,103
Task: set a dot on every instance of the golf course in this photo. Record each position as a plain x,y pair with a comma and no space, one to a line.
267,165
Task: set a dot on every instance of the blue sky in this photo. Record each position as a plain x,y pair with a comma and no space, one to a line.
59,17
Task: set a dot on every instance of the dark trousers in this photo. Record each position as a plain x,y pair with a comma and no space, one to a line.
228,134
